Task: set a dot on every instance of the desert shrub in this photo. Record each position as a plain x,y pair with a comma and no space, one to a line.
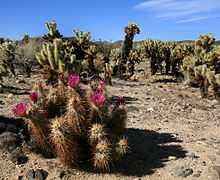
26,54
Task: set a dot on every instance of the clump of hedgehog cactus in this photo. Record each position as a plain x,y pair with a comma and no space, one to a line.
77,121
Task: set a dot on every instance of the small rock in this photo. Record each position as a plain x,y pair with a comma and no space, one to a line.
214,102
62,174
150,109
10,96
182,171
17,157
34,163
38,174
215,172
197,174
193,156
172,158
41,174
163,100
30,174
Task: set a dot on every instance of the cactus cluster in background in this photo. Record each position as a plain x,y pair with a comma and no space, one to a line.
153,50
203,64
204,77
60,55
77,121
7,55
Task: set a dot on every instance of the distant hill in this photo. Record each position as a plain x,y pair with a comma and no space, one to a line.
119,43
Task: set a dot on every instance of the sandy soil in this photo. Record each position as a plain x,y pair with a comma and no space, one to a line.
168,125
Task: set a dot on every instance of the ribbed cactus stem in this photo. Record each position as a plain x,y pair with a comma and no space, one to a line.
96,133
65,143
50,56
102,154
118,120
53,96
122,147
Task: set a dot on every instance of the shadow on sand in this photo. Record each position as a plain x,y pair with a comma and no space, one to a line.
14,90
148,151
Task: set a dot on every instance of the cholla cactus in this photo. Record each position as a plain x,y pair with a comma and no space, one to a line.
203,53
1,74
201,79
77,122
107,74
8,49
153,49
130,31
55,60
54,32
84,49
26,38
178,54
206,42
205,77
214,80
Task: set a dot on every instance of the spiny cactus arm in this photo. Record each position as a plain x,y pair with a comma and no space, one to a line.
82,37
74,66
50,54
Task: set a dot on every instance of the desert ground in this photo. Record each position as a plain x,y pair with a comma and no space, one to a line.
172,132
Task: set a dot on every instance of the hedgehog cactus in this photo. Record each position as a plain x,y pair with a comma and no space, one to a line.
77,122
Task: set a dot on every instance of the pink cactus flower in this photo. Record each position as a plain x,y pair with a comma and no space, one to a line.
34,97
20,109
121,100
73,80
97,99
102,84
100,90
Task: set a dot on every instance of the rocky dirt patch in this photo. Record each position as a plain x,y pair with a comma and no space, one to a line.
172,133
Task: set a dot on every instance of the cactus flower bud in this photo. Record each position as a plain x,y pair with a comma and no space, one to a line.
102,84
100,90
34,97
73,80
121,100
20,109
97,99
